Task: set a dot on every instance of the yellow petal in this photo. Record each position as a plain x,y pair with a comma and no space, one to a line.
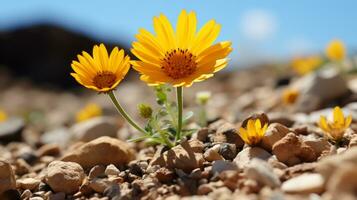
164,32
323,123
185,29
338,115
205,37
348,121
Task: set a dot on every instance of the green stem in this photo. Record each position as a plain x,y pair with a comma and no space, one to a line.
179,91
123,113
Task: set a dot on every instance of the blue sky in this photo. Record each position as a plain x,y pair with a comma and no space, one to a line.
258,29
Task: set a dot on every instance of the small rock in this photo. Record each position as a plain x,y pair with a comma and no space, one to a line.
201,135
319,87
261,116
60,136
219,166
291,150
319,145
353,142
101,151
212,154
64,177
11,130
164,175
26,194
94,128
330,165
227,133
304,184
112,192
204,189
97,171
48,150
28,183
230,179
186,156
260,171
21,167
10,195
7,177
57,196
111,170
247,154
273,134
228,151
99,184
343,182
281,118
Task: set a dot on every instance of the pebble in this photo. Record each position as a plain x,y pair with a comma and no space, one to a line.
94,128
11,130
260,171
186,156
219,166
273,134
64,177
111,170
60,136
28,183
245,156
304,184
101,151
212,154
291,150
7,177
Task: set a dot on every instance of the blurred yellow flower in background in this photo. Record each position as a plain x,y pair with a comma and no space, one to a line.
91,110
3,116
336,50
179,57
253,133
306,65
102,72
290,96
335,128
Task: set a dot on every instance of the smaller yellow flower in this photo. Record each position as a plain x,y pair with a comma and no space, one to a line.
336,50
101,72
290,96
336,128
253,133
306,65
89,111
3,116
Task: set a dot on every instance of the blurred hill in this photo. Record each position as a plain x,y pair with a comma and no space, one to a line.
43,52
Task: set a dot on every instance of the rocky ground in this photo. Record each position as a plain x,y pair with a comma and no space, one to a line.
46,155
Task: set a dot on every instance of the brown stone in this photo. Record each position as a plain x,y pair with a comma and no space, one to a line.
291,150
64,177
102,151
186,156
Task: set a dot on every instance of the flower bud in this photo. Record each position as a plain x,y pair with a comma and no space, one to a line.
145,110
203,97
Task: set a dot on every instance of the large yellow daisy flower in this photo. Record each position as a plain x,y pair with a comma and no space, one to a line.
102,72
182,57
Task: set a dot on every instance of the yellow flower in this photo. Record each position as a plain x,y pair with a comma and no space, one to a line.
290,96
336,128
254,132
3,116
89,111
305,65
179,57
101,72
335,50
